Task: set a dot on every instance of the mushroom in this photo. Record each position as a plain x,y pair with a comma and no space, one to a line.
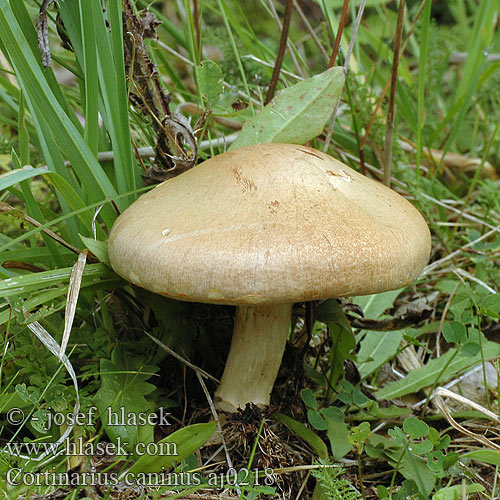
260,228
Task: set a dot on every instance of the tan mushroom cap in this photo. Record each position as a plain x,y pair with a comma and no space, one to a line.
271,223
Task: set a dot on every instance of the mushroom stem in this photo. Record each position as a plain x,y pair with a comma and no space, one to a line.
259,339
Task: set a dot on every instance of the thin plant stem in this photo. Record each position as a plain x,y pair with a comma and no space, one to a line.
360,475
340,30
291,51
389,134
346,67
421,80
388,82
281,51
393,478
196,17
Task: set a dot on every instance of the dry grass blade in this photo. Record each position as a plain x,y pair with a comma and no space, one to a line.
303,485
440,404
216,417
310,29
442,391
4,207
460,57
461,212
462,273
75,282
438,263
149,152
451,161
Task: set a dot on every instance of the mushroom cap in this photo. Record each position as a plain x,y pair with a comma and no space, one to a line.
271,223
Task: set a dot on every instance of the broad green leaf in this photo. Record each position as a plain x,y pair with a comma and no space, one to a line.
490,305
487,456
26,395
308,398
330,311
310,437
470,349
9,400
373,411
376,349
455,332
422,448
210,80
337,431
343,343
415,427
433,372
415,468
316,420
184,441
359,435
456,492
297,114
439,443
374,305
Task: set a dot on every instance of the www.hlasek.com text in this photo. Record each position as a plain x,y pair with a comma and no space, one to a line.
80,447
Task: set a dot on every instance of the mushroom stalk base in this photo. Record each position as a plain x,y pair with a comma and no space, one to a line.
259,339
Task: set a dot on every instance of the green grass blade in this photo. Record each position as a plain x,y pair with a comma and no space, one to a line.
223,9
433,373
480,38
424,43
122,139
91,78
26,24
44,105
34,211
36,281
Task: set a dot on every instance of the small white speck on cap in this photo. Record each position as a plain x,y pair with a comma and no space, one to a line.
165,232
